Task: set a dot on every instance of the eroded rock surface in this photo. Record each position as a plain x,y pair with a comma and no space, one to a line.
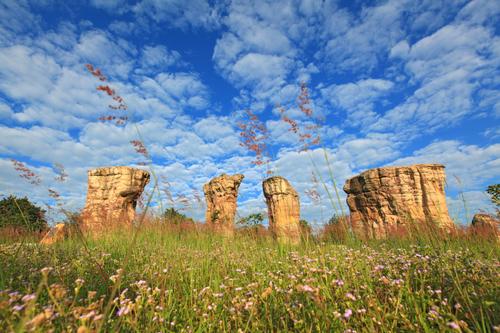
221,194
112,197
383,199
283,208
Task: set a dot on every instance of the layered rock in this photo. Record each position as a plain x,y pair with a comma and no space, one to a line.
221,195
486,224
283,208
58,233
383,199
112,197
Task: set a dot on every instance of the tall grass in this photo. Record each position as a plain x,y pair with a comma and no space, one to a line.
184,278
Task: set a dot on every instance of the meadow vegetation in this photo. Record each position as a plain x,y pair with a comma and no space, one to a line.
184,278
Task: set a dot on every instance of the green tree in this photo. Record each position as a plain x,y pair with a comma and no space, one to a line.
305,225
172,215
252,220
21,213
494,192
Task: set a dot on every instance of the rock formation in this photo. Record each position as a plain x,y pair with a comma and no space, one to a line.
112,197
59,232
221,194
283,208
382,199
486,224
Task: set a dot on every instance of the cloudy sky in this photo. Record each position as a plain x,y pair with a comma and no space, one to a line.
391,83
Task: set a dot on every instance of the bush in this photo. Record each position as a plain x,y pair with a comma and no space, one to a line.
305,228
336,229
21,213
252,220
172,215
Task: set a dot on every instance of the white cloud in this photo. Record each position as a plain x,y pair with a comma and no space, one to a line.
255,67
157,59
257,34
179,13
177,90
400,50
13,17
213,128
467,166
48,145
21,67
260,51
112,6
358,99
480,12
368,151
450,66
361,46
112,55
5,111
50,94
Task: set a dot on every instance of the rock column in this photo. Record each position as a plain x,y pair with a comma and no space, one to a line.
383,199
221,194
112,197
283,208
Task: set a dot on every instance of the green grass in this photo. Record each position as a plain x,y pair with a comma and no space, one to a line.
188,281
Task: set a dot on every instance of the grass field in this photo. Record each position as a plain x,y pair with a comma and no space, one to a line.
193,281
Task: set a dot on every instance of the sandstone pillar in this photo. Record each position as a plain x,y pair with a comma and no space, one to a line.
383,199
112,197
283,208
221,194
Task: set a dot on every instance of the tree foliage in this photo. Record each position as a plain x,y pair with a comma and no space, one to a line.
252,220
172,215
21,213
494,192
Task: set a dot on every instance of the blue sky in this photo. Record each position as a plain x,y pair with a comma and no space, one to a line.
396,82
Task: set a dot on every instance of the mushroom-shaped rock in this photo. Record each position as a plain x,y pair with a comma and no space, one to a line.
221,194
58,233
112,197
486,223
283,208
382,199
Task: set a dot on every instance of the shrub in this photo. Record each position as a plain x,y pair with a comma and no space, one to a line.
21,213
305,227
336,229
172,215
251,225
252,220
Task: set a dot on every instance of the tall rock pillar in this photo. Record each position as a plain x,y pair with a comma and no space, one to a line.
382,199
283,208
112,197
221,194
